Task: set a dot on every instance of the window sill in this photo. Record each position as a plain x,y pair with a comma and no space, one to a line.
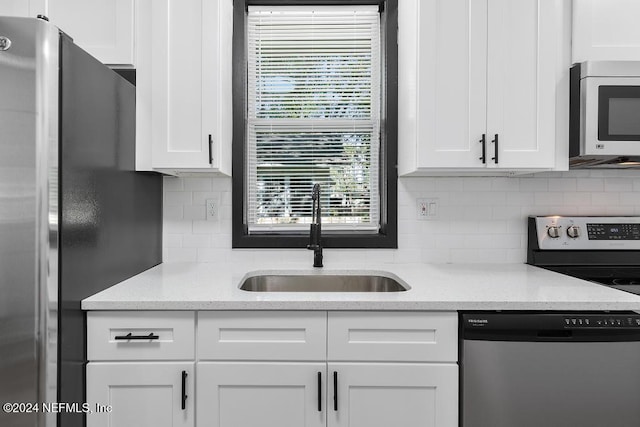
285,241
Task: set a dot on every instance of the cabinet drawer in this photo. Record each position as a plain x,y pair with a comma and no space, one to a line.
261,335
171,335
393,336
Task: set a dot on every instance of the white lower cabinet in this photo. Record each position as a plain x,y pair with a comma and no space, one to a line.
393,394
142,368
260,394
373,369
273,368
140,394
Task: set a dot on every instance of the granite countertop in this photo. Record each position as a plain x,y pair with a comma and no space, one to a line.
211,286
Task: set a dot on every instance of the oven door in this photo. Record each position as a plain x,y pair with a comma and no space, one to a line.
610,116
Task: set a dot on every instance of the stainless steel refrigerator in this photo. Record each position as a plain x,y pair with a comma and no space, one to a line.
75,217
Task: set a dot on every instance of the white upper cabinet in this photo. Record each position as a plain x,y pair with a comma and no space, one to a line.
104,28
523,43
606,30
442,82
473,69
184,86
22,8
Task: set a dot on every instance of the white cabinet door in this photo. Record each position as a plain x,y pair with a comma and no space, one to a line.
383,395
176,79
22,8
260,394
140,394
524,40
442,55
217,105
606,30
185,81
104,28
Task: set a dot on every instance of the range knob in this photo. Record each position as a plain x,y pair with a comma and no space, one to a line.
573,231
553,232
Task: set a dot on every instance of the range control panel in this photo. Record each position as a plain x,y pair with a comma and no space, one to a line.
598,321
588,232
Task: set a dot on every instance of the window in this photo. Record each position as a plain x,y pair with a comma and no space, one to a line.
312,105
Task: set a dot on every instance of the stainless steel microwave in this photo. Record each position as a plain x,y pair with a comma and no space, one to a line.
605,115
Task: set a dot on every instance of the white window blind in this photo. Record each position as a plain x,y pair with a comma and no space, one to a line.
313,116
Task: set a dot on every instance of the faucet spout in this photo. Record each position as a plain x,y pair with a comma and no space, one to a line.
315,231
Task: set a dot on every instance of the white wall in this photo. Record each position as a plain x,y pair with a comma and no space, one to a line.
481,219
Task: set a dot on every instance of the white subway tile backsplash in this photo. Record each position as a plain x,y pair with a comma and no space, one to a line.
197,241
618,184
605,199
548,199
206,227
590,184
449,184
177,198
172,240
505,184
577,199
198,184
176,226
620,210
521,198
534,184
481,219
172,183
173,212
630,198
196,212
475,184
562,184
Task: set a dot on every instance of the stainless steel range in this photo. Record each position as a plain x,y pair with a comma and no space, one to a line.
604,250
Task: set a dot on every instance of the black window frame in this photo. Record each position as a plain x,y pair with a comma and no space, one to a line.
387,236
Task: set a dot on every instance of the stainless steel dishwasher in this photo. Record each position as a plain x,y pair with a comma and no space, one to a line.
550,369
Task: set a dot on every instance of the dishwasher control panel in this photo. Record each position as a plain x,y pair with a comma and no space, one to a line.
601,321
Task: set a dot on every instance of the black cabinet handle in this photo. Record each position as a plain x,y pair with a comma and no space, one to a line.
335,391
319,391
184,390
130,336
483,141
210,149
495,141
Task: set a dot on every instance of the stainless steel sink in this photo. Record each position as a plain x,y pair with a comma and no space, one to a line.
321,283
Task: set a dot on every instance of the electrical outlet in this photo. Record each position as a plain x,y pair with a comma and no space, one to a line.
427,209
212,206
